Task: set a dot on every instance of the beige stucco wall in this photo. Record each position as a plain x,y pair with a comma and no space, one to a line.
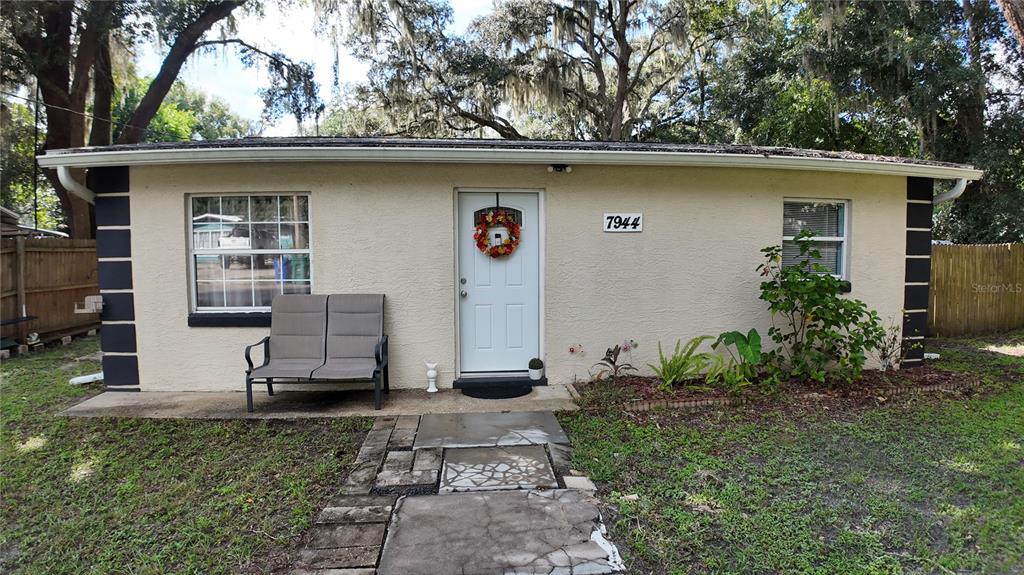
389,228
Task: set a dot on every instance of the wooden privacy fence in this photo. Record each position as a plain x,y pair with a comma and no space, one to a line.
976,289
44,277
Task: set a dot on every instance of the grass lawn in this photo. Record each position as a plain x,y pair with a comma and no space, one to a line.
152,496
922,484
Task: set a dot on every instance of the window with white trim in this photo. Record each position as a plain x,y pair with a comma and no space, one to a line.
827,220
245,249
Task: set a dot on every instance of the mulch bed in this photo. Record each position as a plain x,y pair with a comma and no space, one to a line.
873,388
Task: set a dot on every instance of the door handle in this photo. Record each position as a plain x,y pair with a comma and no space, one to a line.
463,293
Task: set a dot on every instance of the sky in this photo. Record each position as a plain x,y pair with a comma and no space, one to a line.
221,74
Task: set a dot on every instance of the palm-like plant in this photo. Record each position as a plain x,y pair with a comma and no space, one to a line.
684,363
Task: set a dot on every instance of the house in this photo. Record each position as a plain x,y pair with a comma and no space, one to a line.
616,242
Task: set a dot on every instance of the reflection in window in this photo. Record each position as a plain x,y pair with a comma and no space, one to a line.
248,248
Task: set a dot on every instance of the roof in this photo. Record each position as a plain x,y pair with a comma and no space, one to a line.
9,216
10,225
319,149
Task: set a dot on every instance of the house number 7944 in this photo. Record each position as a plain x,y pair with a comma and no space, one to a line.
620,222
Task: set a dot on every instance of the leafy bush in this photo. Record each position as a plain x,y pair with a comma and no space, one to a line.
748,347
536,363
683,364
822,334
736,370
725,372
609,366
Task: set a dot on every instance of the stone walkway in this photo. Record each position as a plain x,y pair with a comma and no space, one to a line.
477,493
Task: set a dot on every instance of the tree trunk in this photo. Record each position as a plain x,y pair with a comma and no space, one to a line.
78,212
183,46
50,59
1013,10
622,59
973,126
53,52
102,95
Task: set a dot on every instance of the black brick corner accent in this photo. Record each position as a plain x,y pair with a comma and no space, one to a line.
915,297
120,370
236,319
920,188
915,324
115,275
919,243
913,349
118,337
113,243
918,270
919,216
118,307
108,180
113,211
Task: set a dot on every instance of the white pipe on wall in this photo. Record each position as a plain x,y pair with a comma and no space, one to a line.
84,379
952,194
72,185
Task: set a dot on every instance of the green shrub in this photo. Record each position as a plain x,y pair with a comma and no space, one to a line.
536,363
819,333
683,364
748,347
736,370
727,373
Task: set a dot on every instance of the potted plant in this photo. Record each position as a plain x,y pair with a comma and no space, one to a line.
536,369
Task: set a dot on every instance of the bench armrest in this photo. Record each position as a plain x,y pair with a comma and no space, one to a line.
380,352
265,342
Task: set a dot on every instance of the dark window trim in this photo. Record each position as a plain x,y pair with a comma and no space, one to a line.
229,319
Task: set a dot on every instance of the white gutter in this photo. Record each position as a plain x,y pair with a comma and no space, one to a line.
953,193
152,157
71,184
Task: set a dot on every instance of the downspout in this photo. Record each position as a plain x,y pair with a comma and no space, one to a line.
952,194
72,185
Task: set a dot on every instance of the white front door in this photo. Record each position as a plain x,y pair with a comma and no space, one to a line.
499,298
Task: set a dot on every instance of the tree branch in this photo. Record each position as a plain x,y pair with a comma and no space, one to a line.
499,125
276,58
183,46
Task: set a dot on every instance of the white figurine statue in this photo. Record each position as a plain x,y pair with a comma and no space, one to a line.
431,377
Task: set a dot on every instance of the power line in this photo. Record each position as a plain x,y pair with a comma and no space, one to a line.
56,107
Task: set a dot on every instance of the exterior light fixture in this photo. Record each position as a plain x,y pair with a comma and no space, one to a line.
560,168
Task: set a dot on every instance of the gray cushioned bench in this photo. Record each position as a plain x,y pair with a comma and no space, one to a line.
320,338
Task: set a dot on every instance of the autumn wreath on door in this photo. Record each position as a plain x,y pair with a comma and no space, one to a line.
504,243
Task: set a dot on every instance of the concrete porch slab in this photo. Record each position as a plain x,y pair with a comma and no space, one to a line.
489,429
308,404
498,532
